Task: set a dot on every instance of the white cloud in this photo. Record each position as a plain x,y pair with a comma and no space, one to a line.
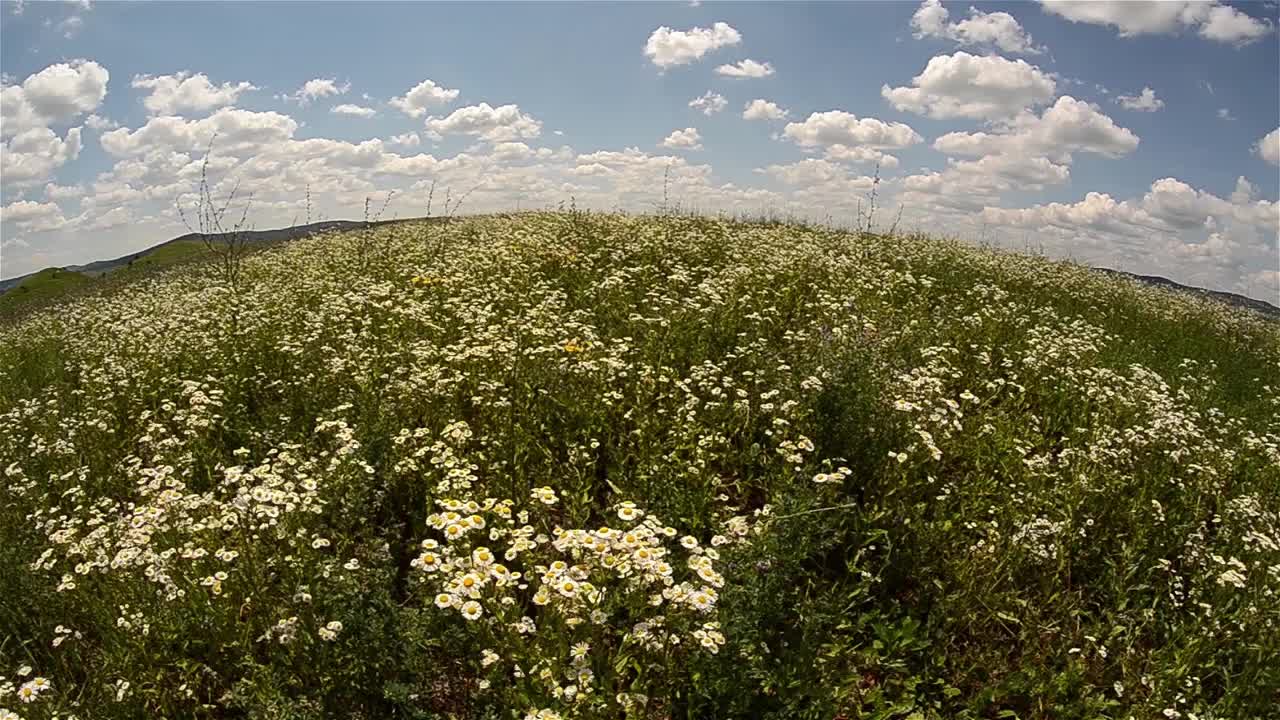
55,95
759,109
1173,229
31,157
353,110
1211,19
966,187
30,216
317,88
998,29
173,94
964,85
945,193
97,122
1069,126
1228,25
517,152
114,217
836,127
498,124
1004,171
667,48
239,133
686,139
422,97
63,192
812,172
1268,148
860,155
1097,212
409,139
1146,101
709,103
1225,114
746,69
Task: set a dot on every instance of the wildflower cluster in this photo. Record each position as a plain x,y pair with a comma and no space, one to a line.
539,589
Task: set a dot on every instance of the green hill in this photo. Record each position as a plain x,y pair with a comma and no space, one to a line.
567,465
42,286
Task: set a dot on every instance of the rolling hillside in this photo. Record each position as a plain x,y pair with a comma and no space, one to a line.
42,287
569,465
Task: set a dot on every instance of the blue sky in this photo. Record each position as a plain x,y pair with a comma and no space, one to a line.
1005,122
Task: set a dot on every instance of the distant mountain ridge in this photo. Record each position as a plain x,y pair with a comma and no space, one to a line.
1260,306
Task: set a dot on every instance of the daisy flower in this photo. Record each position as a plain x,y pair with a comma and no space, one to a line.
471,610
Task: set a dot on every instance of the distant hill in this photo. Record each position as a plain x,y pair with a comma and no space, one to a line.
38,286
1260,306
181,248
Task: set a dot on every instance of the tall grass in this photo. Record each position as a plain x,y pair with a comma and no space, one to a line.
594,466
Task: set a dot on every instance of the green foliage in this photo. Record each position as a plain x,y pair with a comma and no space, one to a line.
41,287
873,477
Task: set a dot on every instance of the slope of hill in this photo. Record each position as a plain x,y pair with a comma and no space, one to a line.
40,287
1237,300
566,465
187,246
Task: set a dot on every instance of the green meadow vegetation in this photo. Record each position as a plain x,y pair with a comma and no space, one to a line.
575,465
41,287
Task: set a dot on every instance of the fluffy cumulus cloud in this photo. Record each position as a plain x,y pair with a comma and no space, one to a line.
186,92
317,88
31,157
709,103
836,127
1070,125
495,124
29,216
668,48
353,110
820,187
1145,101
980,29
239,133
972,86
97,122
518,152
1097,213
760,109
1173,229
815,173
56,95
1268,148
63,192
409,139
686,139
1210,19
746,69
1006,171
964,188
860,155
422,97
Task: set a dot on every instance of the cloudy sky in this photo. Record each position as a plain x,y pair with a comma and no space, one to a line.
1134,135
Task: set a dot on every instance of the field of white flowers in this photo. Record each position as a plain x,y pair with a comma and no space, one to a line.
566,465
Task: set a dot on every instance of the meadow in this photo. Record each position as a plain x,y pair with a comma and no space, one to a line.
576,465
